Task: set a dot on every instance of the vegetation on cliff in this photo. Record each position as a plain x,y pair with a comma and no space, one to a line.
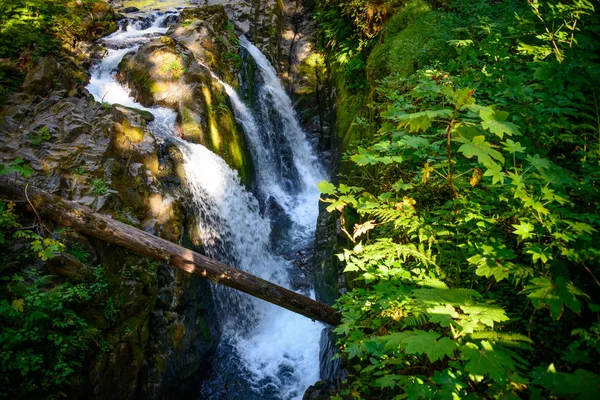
469,196
30,29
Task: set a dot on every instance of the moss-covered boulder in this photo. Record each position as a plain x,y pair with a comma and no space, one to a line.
209,35
173,71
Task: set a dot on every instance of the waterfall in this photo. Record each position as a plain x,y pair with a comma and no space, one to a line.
266,352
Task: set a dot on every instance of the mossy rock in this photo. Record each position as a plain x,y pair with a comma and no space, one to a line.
412,38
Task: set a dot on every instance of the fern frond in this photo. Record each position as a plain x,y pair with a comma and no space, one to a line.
414,320
44,280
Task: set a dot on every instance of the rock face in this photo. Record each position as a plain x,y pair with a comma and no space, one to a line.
175,71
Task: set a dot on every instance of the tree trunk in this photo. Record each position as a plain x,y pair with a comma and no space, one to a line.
103,227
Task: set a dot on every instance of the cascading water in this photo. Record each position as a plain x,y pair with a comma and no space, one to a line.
266,352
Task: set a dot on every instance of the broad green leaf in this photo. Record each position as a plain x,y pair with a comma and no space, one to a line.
513,147
450,379
500,128
400,185
387,381
461,97
524,230
538,162
486,314
426,342
487,362
413,142
581,385
351,268
18,305
544,293
480,148
538,254
495,122
326,187
495,171
489,267
442,314
394,341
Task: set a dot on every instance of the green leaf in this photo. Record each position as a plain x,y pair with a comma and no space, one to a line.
524,230
495,122
400,185
513,147
488,267
544,293
442,314
18,305
538,162
413,142
580,385
327,188
495,171
480,148
387,381
394,341
486,362
486,314
426,342
500,128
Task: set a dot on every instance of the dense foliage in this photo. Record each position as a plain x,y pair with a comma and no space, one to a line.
471,203
34,28
45,335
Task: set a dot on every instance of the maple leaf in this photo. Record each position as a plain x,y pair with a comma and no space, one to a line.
486,361
426,342
495,171
363,228
486,314
442,314
524,230
480,148
18,305
513,147
495,122
326,187
543,292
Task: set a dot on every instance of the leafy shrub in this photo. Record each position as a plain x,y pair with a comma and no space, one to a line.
472,216
40,136
99,187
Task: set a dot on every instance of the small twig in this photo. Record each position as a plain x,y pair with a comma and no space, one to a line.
592,274
539,15
572,33
34,210
530,321
343,227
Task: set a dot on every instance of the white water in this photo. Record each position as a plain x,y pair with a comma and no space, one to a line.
278,350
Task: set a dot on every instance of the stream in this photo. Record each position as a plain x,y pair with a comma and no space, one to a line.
265,352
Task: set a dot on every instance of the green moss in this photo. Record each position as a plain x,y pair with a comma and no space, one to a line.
192,126
412,38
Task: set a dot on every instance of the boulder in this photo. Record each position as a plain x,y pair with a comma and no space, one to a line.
46,76
173,71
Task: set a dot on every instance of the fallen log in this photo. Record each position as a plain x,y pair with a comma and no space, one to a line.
105,228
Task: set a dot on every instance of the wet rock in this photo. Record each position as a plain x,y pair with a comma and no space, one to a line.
172,72
129,10
319,391
46,76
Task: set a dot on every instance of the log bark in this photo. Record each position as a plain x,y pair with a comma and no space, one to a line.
105,228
